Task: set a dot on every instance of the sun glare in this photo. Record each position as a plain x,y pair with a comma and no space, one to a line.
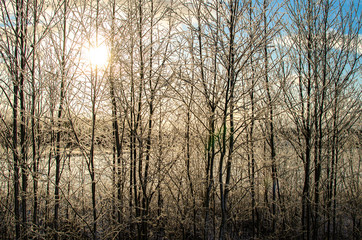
98,56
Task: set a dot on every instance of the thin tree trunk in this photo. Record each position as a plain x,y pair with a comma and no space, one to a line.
92,171
318,163
94,91
307,134
15,128
23,121
145,197
270,121
188,160
211,136
138,124
332,168
333,179
59,118
220,171
251,155
229,104
15,149
132,176
47,194
34,126
160,218
209,160
117,145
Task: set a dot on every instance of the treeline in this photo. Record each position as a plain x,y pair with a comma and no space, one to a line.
211,119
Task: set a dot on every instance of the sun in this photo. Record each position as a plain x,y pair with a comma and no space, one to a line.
98,56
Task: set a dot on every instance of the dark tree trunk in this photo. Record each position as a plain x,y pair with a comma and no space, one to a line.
58,133
23,120
16,157
34,124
